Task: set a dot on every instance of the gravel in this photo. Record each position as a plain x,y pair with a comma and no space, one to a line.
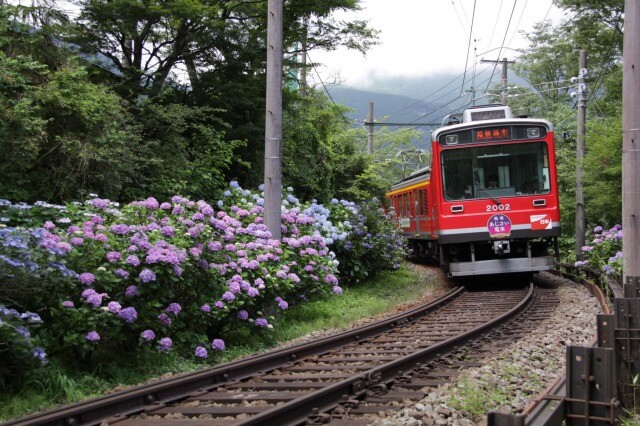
512,380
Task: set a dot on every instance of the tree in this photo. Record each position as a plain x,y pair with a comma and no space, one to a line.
146,40
549,65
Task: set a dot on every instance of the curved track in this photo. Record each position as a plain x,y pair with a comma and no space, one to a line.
332,379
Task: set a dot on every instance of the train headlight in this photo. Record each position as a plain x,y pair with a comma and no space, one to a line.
452,140
533,132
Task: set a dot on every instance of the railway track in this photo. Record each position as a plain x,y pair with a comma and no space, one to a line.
342,379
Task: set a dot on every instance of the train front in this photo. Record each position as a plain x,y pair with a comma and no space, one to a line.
494,177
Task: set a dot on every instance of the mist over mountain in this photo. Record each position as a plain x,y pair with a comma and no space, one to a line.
416,100
397,101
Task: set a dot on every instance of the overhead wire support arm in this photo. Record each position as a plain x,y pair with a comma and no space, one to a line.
368,123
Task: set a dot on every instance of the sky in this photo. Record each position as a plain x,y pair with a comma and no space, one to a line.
430,37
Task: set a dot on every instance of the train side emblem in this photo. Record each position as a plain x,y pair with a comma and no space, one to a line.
540,222
499,226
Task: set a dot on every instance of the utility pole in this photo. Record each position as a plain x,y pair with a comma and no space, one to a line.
303,58
504,63
582,118
370,119
631,143
273,122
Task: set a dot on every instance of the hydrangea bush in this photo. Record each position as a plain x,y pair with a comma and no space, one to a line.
362,236
604,252
19,349
179,274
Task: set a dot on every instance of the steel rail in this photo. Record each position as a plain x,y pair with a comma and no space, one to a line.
295,412
148,396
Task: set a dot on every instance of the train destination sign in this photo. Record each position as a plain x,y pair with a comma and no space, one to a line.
492,134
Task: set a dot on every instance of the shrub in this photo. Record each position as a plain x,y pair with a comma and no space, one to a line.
362,236
177,275
604,253
19,351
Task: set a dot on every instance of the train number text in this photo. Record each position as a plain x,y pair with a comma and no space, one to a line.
498,207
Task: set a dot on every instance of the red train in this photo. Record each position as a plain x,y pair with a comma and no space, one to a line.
488,204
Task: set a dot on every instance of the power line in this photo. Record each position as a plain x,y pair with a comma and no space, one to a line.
502,44
473,16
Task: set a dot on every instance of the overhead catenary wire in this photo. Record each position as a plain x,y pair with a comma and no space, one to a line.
473,15
325,88
502,44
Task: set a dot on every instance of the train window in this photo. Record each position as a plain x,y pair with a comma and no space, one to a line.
417,202
495,171
425,202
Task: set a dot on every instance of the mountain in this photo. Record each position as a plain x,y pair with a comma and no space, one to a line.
418,100
394,109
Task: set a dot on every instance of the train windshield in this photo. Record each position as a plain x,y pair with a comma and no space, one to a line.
491,171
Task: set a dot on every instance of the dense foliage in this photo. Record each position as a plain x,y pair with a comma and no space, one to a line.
101,279
95,105
549,65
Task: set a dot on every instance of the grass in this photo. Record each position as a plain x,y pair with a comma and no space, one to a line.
64,384
477,398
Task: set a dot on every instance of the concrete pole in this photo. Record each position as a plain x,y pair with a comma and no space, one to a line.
273,122
503,94
582,118
370,119
631,143
303,58
504,63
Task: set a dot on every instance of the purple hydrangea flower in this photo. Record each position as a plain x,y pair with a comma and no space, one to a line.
282,304
120,229
121,273
128,314
201,352
205,308
114,256
114,307
331,279
337,289
39,353
77,241
132,290
219,304
261,322
92,336
243,315
164,318
68,304
132,260
147,275
99,203
165,344
86,278
217,344
148,335
173,308
228,296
